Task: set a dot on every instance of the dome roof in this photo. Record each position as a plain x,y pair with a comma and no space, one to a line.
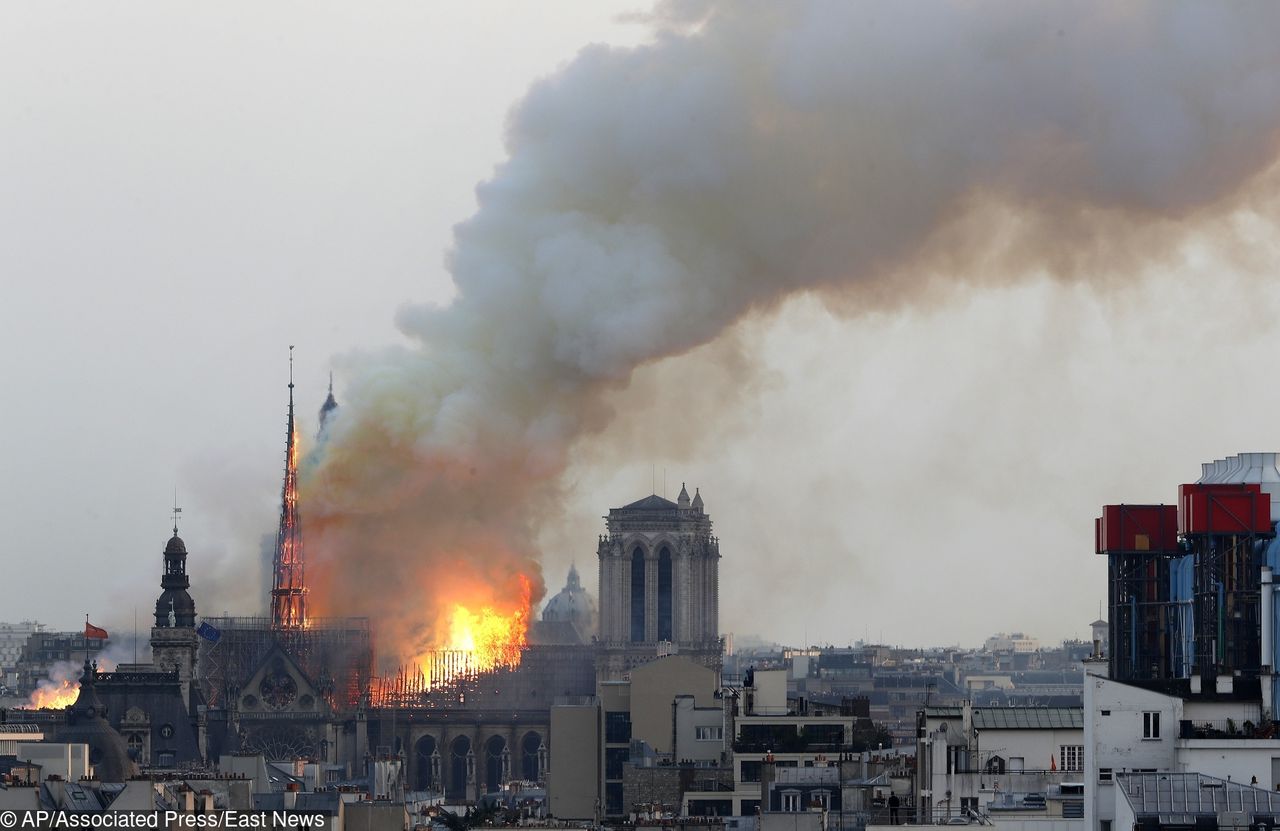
572,604
176,545
87,724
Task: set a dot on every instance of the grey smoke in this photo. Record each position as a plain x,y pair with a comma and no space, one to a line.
874,154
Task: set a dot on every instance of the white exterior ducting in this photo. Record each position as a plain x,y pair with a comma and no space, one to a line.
1269,479
1267,624
1219,467
1235,470
1261,469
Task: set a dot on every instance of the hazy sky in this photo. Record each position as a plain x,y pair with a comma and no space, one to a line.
184,192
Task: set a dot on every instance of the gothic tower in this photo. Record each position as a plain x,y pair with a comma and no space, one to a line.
659,585
289,584
173,638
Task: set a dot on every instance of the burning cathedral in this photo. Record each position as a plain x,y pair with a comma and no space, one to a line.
292,686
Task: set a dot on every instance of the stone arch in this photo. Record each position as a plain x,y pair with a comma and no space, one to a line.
461,760
530,756
637,594
495,760
666,594
426,759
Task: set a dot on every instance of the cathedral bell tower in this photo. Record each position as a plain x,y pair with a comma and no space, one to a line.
173,638
659,585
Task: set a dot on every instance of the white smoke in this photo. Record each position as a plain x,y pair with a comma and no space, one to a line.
874,153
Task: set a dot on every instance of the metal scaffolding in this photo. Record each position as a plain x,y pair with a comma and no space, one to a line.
336,654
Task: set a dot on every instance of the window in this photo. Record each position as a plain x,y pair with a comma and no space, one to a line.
821,799
1106,712
709,734
614,759
617,727
791,800
1106,825
1104,774
1151,725
613,799
1072,756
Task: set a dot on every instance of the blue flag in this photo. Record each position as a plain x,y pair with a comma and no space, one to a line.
208,632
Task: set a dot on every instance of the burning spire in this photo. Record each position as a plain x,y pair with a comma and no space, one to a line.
289,592
326,409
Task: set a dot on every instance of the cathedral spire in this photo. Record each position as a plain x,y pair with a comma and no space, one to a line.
289,589
326,409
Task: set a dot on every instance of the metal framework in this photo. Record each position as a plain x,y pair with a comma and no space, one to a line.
1227,602
1196,613
1144,616
337,655
289,587
443,679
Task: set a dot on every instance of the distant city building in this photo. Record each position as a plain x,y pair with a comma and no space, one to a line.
1022,762
13,639
45,650
1016,643
1180,720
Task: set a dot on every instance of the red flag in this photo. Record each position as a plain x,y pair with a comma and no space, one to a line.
1053,764
91,631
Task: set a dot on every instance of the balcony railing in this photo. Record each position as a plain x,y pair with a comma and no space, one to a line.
1227,729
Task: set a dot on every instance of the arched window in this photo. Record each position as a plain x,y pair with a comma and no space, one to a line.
458,751
494,751
423,750
664,595
529,746
637,596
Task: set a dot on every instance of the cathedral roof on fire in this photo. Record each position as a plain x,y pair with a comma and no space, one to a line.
572,604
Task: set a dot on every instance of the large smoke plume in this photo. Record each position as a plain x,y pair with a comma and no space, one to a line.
654,196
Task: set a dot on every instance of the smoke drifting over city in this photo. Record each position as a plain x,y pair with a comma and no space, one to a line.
752,151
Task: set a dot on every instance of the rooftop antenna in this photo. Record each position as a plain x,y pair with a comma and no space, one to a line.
653,478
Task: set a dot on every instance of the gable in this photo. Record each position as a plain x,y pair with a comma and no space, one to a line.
278,685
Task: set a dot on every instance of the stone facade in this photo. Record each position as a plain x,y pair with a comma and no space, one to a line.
665,785
659,585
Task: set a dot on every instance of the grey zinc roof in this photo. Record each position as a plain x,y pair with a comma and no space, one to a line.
1177,796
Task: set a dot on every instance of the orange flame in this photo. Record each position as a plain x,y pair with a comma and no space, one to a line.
478,638
54,695
62,687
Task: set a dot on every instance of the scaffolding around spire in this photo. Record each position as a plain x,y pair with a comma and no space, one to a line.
289,586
